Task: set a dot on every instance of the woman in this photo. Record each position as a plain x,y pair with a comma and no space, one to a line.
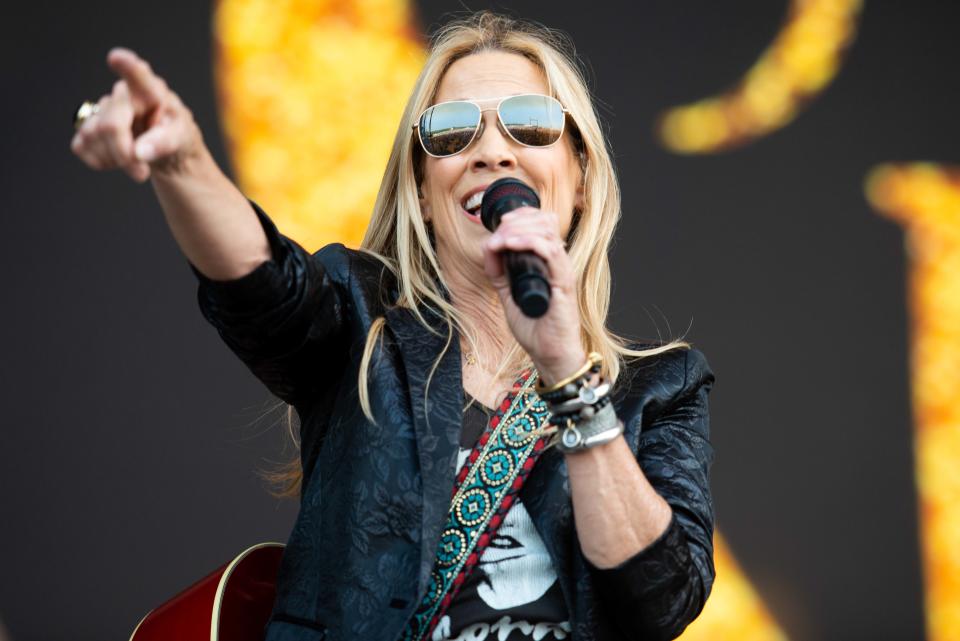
606,534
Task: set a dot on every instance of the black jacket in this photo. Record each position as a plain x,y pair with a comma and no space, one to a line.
375,495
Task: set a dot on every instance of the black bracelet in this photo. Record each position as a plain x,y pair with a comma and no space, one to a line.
584,413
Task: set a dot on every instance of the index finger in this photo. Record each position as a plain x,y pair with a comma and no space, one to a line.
145,86
520,212
533,218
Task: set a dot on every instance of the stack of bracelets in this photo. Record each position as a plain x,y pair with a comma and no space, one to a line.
581,411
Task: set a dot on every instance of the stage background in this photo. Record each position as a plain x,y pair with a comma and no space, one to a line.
131,436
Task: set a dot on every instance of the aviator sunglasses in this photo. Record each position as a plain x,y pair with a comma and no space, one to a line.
531,120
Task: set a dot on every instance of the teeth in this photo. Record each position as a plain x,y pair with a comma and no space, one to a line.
474,201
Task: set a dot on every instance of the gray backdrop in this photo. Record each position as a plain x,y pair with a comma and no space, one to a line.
131,435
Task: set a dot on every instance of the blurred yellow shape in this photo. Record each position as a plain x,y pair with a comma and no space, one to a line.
925,199
311,95
801,61
734,610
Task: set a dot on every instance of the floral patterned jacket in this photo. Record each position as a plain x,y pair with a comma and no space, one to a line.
375,494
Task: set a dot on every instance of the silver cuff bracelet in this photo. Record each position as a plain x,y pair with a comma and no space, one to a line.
601,428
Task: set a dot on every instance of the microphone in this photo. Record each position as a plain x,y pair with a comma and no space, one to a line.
527,271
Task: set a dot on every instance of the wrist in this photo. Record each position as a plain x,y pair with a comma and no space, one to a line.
560,368
193,161
596,453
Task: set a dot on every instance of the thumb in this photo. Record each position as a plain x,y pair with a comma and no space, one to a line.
155,144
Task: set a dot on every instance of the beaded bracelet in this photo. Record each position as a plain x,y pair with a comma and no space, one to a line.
586,396
583,413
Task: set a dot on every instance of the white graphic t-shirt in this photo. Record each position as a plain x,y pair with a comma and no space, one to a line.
513,593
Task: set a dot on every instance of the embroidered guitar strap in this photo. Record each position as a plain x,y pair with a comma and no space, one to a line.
486,487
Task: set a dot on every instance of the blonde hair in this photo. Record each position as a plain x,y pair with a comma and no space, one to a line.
399,237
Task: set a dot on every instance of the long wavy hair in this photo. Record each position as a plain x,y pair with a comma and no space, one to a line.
399,237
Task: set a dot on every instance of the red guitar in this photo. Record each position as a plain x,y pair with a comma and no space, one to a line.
231,604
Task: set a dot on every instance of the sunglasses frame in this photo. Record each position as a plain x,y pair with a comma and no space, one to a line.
479,126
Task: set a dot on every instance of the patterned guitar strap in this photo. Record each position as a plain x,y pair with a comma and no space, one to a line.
486,487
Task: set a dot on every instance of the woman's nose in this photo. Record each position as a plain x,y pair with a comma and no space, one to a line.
492,148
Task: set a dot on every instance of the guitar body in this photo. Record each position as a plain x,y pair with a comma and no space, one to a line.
232,603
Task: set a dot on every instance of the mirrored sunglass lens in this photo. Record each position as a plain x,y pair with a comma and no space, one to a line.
447,128
533,120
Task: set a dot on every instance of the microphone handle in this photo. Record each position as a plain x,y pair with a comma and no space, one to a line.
528,282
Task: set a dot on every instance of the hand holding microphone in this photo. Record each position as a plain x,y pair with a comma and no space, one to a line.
527,272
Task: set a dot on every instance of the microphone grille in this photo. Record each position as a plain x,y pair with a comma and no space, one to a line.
505,195
510,187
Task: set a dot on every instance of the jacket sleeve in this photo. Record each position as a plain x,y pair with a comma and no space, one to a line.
656,593
282,318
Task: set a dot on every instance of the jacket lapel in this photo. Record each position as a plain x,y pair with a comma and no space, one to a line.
436,402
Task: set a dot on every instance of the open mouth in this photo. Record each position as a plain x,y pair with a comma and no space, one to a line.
471,206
